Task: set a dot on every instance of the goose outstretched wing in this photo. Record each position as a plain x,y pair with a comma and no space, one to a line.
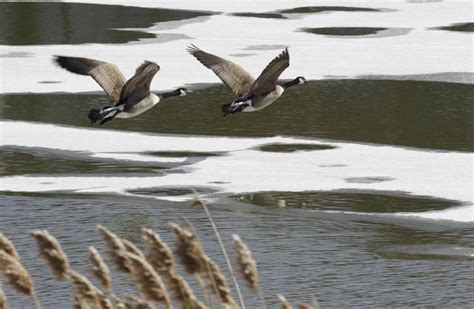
232,75
267,80
107,75
138,87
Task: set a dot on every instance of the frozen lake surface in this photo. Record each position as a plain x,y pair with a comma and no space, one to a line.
355,187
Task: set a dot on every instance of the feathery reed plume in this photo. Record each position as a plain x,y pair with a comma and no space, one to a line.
248,266
134,302
199,202
131,248
118,303
116,248
284,303
79,302
183,292
100,269
189,250
159,255
303,306
147,280
51,251
222,286
315,302
84,289
161,258
7,246
3,299
18,276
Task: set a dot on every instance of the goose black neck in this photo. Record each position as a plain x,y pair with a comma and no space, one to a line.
170,94
290,83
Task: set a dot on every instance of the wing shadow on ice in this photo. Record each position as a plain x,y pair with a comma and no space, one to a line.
34,23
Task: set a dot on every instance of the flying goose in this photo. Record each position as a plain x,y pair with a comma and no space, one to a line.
251,95
130,97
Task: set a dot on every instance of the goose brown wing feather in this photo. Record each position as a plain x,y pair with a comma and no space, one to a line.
232,75
138,87
267,80
107,75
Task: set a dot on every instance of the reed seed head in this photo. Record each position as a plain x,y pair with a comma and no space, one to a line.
50,250
115,248
99,269
303,306
284,303
7,246
159,254
16,274
3,299
134,302
84,289
189,250
248,266
183,292
147,280
131,248
221,284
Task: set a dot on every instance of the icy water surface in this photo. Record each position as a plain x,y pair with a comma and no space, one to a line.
30,23
356,190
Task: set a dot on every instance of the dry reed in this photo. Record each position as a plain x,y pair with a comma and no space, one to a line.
51,251
199,202
284,303
3,298
147,280
115,248
99,269
248,266
159,255
7,246
221,284
85,290
303,306
18,276
131,248
161,258
134,302
189,250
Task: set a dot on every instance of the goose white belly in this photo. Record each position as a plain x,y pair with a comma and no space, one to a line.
140,107
263,102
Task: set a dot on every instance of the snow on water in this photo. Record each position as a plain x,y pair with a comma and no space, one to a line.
244,168
313,56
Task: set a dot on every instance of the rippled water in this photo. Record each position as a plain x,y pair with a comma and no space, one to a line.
355,191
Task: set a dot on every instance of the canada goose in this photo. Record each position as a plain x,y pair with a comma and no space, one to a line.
251,95
130,97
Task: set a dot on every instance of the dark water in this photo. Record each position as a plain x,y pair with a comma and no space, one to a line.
305,10
344,31
460,27
319,9
33,23
406,113
260,15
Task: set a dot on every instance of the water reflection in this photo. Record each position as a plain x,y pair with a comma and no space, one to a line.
375,202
